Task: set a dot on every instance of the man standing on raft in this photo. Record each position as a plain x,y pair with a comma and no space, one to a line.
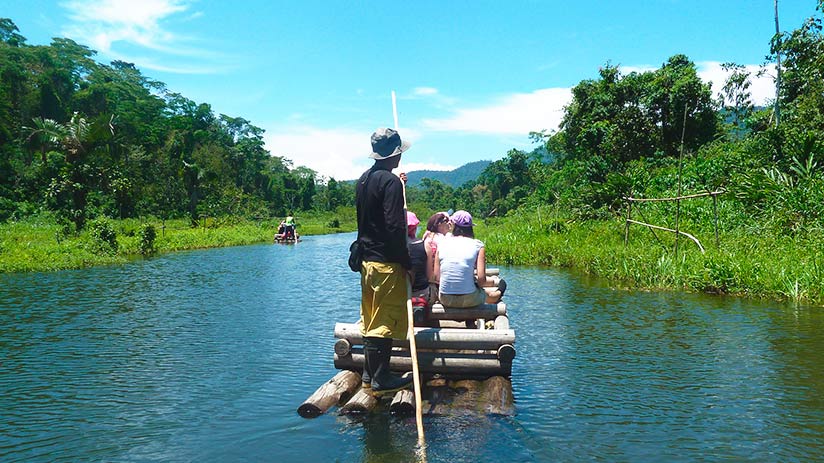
382,231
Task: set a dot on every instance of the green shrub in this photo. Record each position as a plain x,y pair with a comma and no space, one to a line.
104,238
147,235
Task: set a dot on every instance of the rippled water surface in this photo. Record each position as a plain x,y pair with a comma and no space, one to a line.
205,356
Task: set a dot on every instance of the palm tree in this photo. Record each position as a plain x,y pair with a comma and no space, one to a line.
71,136
48,133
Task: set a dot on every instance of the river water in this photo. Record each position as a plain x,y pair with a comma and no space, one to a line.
204,356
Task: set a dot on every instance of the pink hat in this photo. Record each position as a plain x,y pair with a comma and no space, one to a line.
411,219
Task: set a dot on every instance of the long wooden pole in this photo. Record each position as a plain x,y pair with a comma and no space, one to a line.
416,374
677,232
680,168
697,195
777,67
395,109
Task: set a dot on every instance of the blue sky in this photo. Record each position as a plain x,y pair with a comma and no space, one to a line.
472,78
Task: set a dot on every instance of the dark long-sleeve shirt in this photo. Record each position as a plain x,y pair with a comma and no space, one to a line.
381,218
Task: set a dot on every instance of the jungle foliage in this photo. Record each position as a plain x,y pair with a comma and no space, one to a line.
622,135
80,140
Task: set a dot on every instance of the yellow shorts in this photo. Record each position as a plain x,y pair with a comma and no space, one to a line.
383,300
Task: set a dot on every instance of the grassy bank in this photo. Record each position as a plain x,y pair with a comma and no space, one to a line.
39,244
751,260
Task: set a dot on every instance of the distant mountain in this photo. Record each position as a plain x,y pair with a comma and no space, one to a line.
454,178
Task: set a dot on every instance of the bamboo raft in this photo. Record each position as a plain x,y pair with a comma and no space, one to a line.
464,369
283,240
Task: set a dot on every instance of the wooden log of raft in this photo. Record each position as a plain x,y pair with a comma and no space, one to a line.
360,404
430,338
492,271
501,322
496,397
485,311
490,396
439,400
506,353
437,381
463,397
403,403
447,363
337,389
468,391
343,346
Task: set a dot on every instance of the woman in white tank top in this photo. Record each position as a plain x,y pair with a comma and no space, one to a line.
458,260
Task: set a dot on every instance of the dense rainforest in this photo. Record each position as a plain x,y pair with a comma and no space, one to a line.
624,134
81,140
84,139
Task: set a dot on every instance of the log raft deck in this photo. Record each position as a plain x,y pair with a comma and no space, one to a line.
464,370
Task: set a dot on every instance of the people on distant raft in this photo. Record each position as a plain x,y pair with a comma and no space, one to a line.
382,232
289,227
281,233
458,260
418,257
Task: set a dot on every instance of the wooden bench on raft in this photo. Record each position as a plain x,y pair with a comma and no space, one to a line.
467,369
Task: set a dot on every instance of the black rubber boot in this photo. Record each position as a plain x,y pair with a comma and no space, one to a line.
369,352
384,382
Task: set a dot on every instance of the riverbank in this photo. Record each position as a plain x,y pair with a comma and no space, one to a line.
749,261
38,244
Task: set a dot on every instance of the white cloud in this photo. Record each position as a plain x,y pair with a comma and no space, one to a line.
103,24
425,91
516,114
109,21
338,152
145,13
762,88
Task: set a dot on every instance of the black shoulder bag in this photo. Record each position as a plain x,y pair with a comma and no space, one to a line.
356,255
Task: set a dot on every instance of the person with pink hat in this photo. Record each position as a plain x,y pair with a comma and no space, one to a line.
419,259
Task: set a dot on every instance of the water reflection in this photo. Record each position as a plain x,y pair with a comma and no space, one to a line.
204,356
381,444
668,376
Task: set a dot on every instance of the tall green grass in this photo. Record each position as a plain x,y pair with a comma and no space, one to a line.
40,244
759,260
749,261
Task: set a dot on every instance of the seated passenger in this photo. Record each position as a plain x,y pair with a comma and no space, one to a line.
417,254
457,261
438,227
281,231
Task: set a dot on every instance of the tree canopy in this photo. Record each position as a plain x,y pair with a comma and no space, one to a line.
82,139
